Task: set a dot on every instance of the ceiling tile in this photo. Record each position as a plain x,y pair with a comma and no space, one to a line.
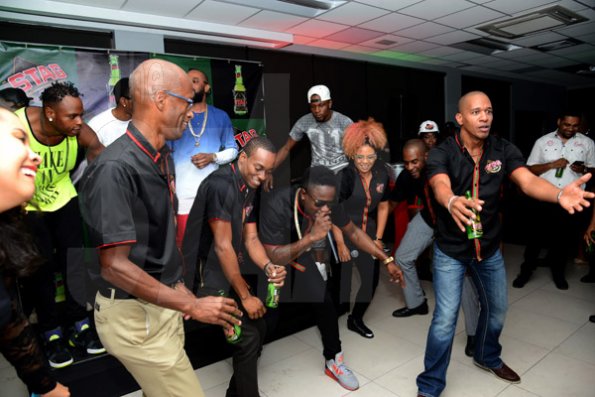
273,21
582,51
519,54
392,5
576,5
415,47
317,28
360,49
431,9
480,1
354,35
458,36
515,6
425,30
537,39
334,45
389,37
104,3
392,22
441,51
352,14
578,29
470,17
213,11
299,39
160,7
461,56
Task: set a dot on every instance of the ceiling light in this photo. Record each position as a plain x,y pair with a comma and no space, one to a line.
485,46
531,23
303,8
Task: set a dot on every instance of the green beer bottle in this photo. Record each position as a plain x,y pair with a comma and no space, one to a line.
474,230
240,98
559,172
236,336
272,300
114,78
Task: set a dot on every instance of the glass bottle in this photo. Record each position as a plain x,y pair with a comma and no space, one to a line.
475,230
235,336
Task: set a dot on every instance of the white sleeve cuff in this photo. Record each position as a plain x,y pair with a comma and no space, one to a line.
226,156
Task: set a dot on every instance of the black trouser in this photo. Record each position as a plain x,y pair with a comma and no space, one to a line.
58,236
244,381
369,272
553,228
308,287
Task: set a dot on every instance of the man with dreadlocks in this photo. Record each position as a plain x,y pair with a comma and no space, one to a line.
59,136
363,192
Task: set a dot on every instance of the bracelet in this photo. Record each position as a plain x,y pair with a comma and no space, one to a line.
450,201
559,195
388,260
266,265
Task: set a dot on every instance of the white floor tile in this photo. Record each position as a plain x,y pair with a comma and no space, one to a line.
558,375
556,304
581,345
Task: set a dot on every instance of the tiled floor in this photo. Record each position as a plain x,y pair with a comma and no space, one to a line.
547,339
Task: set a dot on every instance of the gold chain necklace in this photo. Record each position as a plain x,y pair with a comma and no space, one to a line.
202,129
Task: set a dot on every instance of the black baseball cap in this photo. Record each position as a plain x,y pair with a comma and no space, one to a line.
15,95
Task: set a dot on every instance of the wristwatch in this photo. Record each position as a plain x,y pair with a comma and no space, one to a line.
215,158
388,260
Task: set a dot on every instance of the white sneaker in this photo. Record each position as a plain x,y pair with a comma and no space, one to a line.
339,372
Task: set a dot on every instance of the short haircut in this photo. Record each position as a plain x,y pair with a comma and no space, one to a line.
122,89
570,113
416,144
57,91
318,175
259,142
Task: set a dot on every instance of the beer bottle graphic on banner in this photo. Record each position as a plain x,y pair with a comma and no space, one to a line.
240,98
114,78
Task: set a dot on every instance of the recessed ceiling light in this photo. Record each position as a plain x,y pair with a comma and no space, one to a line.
304,8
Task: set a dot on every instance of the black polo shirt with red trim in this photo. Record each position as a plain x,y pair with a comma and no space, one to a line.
127,197
409,189
360,201
223,196
498,160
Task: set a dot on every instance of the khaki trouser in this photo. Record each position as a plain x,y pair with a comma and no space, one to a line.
149,341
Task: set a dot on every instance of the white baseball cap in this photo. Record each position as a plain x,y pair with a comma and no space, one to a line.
428,126
321,90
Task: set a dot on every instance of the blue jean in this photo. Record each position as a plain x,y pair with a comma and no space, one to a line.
489,277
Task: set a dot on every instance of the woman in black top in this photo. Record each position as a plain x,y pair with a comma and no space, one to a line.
18,343
364,196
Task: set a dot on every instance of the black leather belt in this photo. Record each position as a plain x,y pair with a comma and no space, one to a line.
106,292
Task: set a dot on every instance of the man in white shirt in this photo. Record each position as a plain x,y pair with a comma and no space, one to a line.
559,157
110,124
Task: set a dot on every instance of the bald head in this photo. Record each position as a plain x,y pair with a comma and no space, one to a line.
154,75
162,95
465,99
415,144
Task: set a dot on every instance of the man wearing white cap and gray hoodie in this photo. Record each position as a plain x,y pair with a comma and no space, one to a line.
324,127
428,132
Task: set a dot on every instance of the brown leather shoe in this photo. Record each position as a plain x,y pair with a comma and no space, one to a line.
505,372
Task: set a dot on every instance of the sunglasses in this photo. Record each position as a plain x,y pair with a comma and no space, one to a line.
321,203
189,101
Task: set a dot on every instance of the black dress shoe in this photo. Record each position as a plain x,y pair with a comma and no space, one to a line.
406,312
359,327
592,318
470,347
561,283
521,280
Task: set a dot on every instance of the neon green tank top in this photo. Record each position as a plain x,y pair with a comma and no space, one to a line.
53,186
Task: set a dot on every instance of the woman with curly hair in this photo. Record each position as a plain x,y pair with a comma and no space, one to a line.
18,257
363,194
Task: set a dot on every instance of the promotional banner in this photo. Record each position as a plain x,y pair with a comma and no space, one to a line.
236,86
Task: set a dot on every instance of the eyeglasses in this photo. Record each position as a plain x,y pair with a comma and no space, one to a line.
361,157
321,203
189,101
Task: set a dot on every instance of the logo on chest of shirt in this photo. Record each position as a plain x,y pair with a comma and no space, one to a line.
380,188
493,166
247,211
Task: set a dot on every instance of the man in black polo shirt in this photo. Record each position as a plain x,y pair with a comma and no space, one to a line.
477,162
128,202
221,220
294,227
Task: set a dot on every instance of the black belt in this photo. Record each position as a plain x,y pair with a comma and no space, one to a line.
106,292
